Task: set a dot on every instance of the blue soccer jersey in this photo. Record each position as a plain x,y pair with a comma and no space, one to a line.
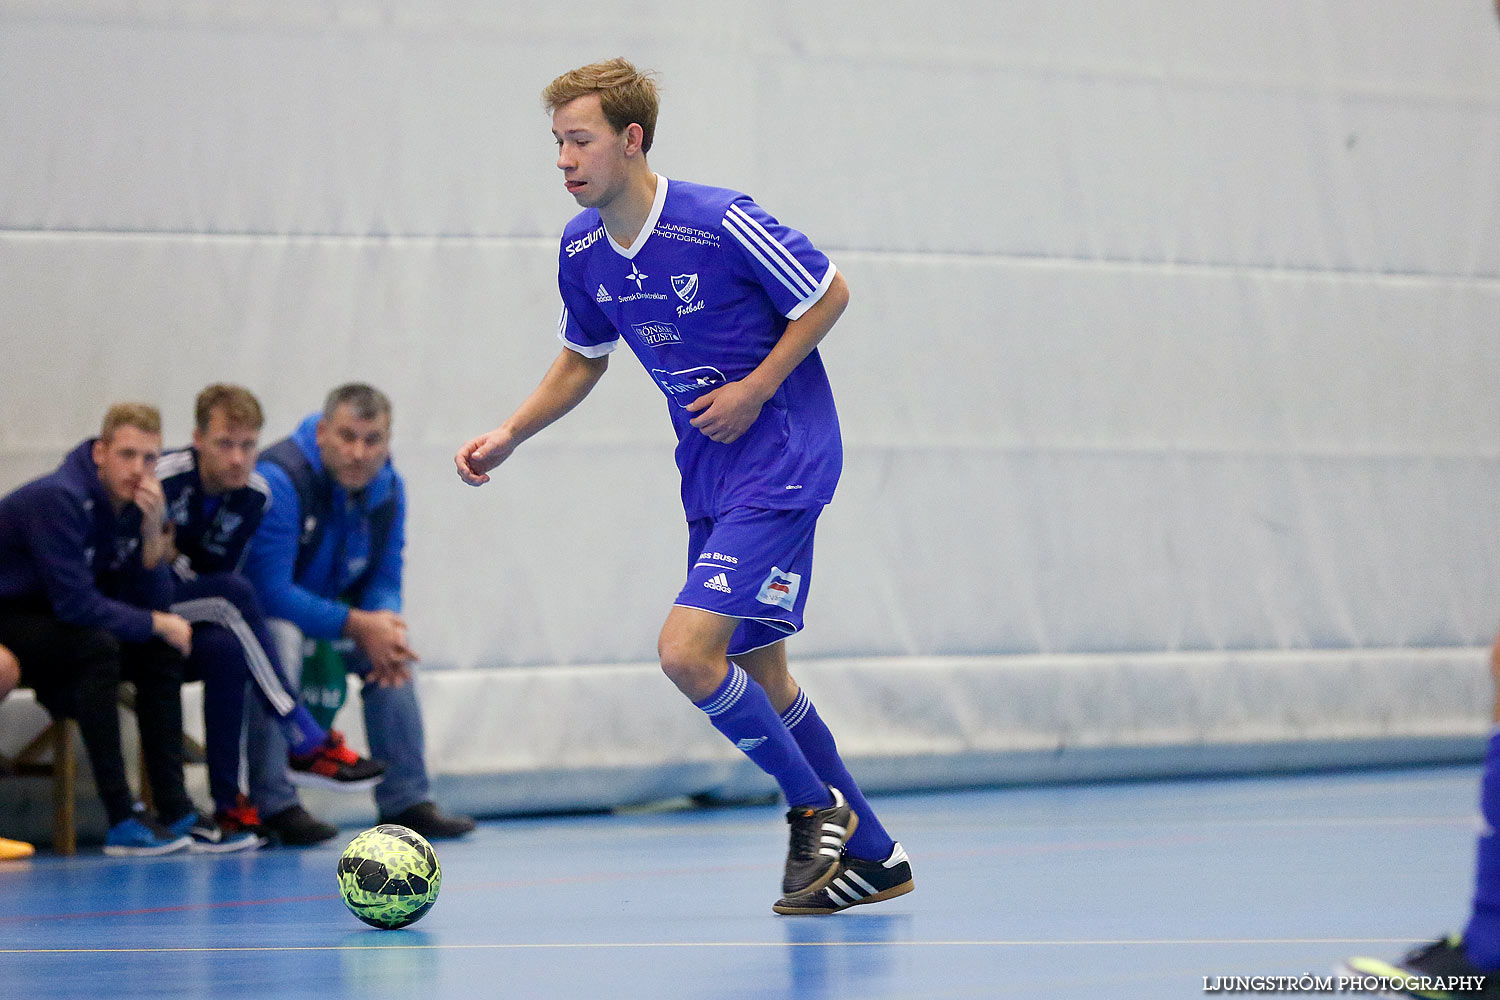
701,297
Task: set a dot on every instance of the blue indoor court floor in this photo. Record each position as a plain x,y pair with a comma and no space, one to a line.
1117,891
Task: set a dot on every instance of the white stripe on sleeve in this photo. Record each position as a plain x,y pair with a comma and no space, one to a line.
769,252
587,350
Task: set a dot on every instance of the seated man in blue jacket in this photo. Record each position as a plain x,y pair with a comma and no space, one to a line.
84,588
215,500
326,561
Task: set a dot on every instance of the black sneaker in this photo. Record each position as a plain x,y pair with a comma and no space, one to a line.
818,838
1438,971
210,838
334,765
425,819
856,881
296,827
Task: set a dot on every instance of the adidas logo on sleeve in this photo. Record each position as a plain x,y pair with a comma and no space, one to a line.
719,583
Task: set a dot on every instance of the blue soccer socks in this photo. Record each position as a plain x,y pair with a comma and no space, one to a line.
741,711
302,732
869,841
1482,936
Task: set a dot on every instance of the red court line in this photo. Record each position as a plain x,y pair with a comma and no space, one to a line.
1011,849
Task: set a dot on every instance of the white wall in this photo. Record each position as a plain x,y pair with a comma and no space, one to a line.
1173,324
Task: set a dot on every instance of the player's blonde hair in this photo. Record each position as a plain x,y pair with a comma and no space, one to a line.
238,404
142,416
627,95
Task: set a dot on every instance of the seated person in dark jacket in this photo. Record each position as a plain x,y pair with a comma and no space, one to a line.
84,587
215,500
10,676
326,563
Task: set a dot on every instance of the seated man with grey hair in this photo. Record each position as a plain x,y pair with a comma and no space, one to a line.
326,563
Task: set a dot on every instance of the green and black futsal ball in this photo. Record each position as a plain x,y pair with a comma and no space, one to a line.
389,876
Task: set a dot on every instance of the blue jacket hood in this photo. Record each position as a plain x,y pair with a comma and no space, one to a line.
310,588
306,436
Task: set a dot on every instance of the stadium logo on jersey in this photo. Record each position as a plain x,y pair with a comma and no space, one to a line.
655,332
780,589
602,295
637,276
691,382
581,244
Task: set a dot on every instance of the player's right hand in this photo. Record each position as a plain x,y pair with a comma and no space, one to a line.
477,457
174,630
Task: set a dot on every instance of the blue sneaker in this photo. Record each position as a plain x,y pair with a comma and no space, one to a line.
140,836
205,836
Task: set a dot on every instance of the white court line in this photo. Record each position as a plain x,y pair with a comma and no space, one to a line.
553,945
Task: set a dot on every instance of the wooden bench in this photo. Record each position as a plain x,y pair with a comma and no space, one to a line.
53,754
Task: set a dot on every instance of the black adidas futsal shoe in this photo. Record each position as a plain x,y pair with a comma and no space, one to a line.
1439,970
818,838
854,883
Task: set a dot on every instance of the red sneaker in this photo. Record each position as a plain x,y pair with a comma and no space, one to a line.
241,817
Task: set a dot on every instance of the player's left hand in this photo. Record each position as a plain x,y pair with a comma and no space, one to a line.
390,673
723,414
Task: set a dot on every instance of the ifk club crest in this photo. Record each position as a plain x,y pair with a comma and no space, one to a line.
686,286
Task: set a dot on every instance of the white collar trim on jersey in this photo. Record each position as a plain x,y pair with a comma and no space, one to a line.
646,230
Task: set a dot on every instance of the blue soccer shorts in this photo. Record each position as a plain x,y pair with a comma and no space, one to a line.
754,565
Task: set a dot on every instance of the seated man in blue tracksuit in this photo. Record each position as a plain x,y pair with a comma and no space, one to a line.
84,589
215,500
326,563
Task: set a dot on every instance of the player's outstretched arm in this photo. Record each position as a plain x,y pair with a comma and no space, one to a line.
571,378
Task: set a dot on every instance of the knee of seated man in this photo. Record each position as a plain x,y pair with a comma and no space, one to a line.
216,650
88,670
93,649
237,591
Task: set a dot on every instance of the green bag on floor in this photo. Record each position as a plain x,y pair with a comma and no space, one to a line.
325,683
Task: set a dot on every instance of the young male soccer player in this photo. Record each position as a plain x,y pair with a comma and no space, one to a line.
215,500
725,307
1476,953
